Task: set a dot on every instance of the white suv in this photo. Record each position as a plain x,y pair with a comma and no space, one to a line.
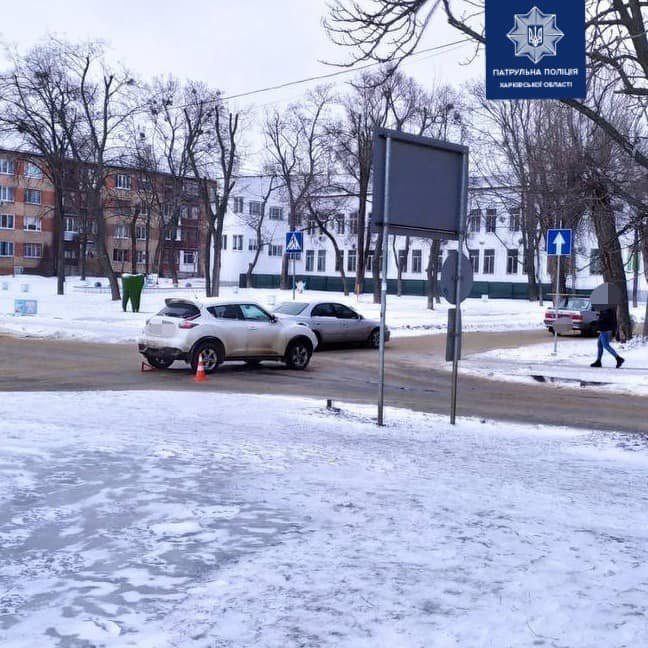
223,330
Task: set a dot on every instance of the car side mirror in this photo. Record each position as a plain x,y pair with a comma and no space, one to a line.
274,319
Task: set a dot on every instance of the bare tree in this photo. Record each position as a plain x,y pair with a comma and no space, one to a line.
297,150
36,94
104,103
218,152
351,138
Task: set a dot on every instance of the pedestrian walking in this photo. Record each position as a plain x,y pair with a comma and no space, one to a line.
607,326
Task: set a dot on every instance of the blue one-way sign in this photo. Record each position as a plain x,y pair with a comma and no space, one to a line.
559,242
294,242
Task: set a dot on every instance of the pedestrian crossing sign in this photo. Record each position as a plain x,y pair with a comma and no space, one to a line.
294,242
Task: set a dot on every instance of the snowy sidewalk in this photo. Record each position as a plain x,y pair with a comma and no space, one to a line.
569,368
158,520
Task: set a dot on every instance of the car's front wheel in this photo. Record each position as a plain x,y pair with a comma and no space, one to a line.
159,362
212,356
298,354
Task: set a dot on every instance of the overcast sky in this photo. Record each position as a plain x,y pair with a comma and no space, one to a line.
234,45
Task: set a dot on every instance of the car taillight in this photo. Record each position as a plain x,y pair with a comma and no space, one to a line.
186,324
577,318
550,315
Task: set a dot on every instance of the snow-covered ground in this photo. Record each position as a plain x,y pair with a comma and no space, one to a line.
172,519
570,367
93,317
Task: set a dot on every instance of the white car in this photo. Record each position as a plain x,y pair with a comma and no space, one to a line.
333,323
220,331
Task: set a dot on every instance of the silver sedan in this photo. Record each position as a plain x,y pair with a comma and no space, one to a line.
333,323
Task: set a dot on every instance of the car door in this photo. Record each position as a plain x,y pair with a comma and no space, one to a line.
324,322
230,327
262,331
352,325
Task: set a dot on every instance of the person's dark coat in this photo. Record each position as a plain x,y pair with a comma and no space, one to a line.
608,320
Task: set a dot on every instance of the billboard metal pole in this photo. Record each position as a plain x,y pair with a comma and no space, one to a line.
383,285
463,211
556,305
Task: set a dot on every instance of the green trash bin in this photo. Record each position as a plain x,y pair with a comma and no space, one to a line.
132,286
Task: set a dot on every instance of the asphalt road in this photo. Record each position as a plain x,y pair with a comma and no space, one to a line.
339,374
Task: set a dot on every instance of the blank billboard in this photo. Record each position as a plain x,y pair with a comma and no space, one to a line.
426,183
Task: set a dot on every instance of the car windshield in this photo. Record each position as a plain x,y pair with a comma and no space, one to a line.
290,308
577,304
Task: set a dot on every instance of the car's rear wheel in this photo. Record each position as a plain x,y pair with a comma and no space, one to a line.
298,354
374,339
212,356
159,362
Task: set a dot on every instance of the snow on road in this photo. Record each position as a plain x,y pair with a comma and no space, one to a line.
185,519
91,316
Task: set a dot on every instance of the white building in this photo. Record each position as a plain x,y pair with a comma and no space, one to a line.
493,243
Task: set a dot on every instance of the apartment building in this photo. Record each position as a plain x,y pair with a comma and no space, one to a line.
494,245
153,220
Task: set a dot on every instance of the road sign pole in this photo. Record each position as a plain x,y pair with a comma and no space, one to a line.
293,283
383,285
556,300
463,212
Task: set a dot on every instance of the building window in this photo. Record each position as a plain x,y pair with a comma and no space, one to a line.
191,187
33,196
33,251
321,260
474,221
6,248
339,223
123,181
514,219
6,221
7,194
140,232
120,231
310,260
188,257
195,213
402,260
275,213
512,261
275,250
238,205
252,245
141,256
70,224
237,242
489,261
353,223
491,220
255,208
596,262
352,261
417,261
32,224
120,256
33,171
7,166
143,209
370,258
473,255
311,225
224,242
